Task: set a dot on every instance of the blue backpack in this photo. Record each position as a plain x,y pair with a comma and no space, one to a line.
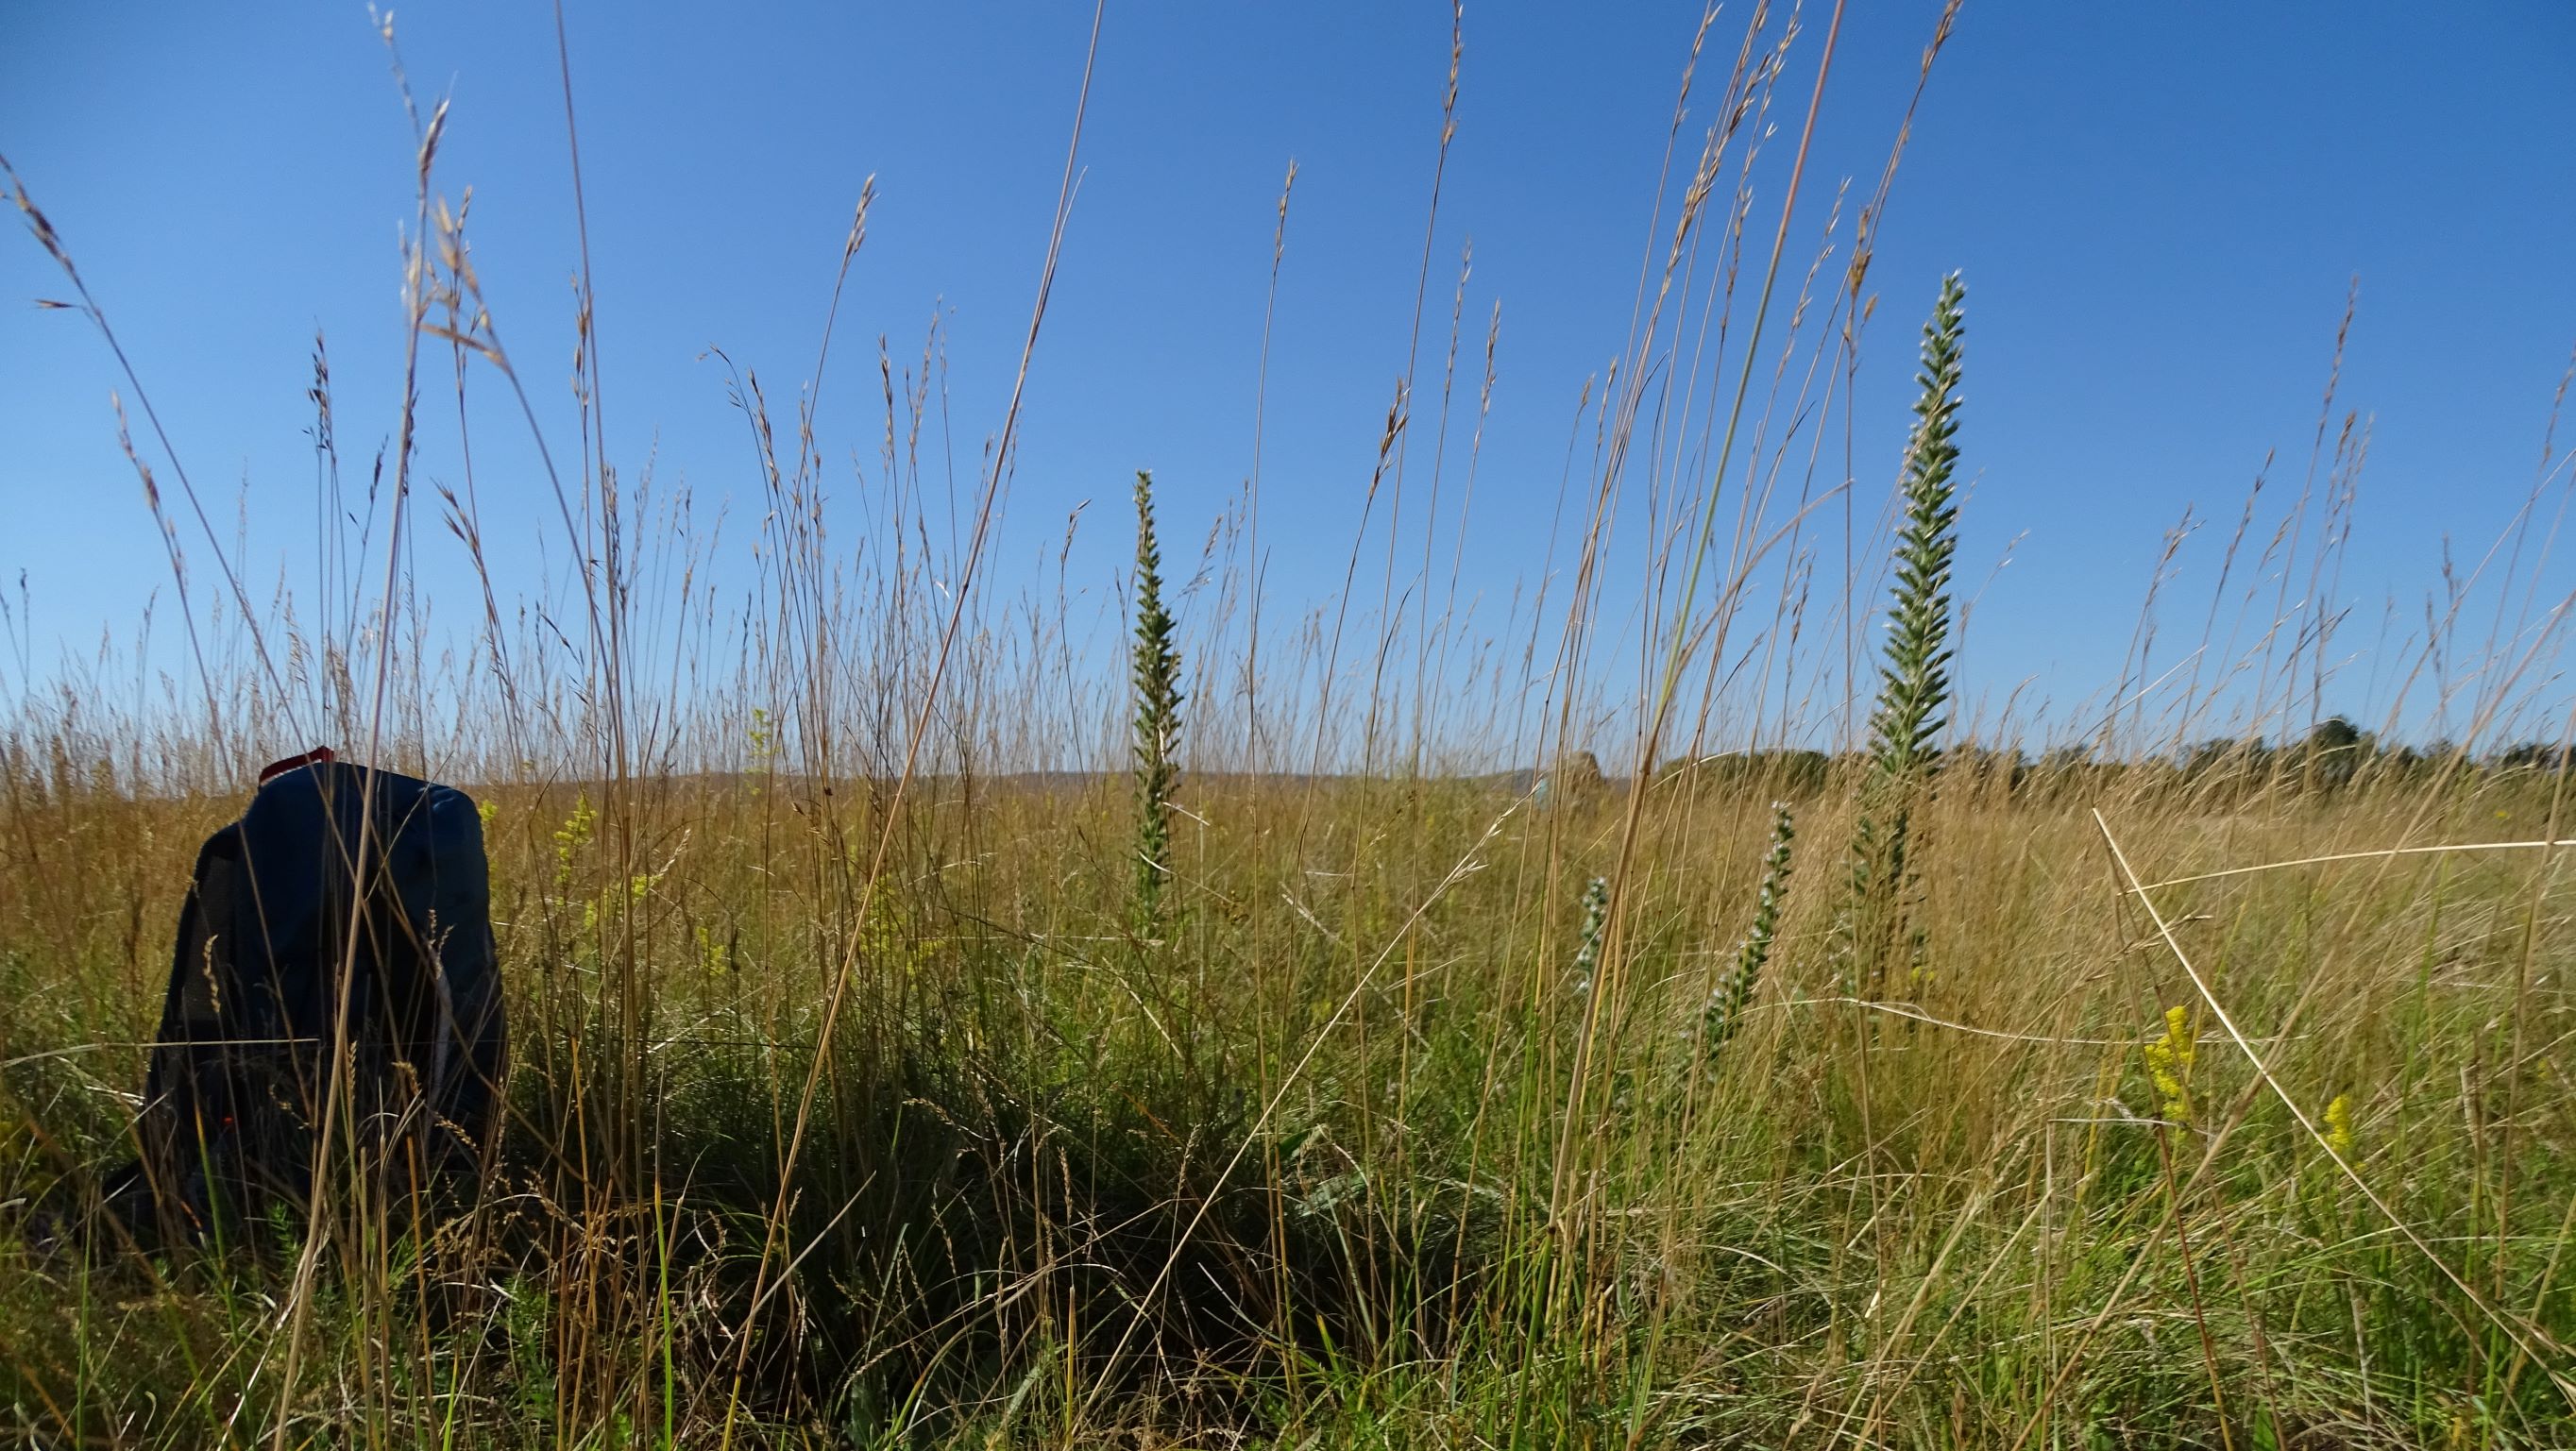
348,911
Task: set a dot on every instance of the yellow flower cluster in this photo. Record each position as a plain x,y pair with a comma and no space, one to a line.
637,888
2169,1061
2339,1126
572,836
713,956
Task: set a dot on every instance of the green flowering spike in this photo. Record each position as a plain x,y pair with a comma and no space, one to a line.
1157,673
1914,679
1587,942
1726,1007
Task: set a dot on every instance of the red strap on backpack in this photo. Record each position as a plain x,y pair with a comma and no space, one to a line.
314,757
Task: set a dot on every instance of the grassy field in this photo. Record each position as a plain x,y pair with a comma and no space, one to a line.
933,1025
1387,1138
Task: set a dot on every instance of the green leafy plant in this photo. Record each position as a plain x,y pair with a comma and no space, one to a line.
1875,927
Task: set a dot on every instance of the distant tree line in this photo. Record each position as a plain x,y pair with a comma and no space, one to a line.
2334,755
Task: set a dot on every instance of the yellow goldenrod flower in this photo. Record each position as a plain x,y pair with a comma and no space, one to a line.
2339,1126
2169,1061
572,836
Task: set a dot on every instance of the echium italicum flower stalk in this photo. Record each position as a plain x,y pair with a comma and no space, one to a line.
1727,1006
1587,939
1157,674
1875,927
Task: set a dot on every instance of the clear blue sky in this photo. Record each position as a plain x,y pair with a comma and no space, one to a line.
2159,209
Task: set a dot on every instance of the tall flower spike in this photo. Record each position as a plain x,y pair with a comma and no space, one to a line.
1157,673
1587,944
1914,678
1727,1006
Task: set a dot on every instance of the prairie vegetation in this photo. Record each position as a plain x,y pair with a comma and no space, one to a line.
931,1027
